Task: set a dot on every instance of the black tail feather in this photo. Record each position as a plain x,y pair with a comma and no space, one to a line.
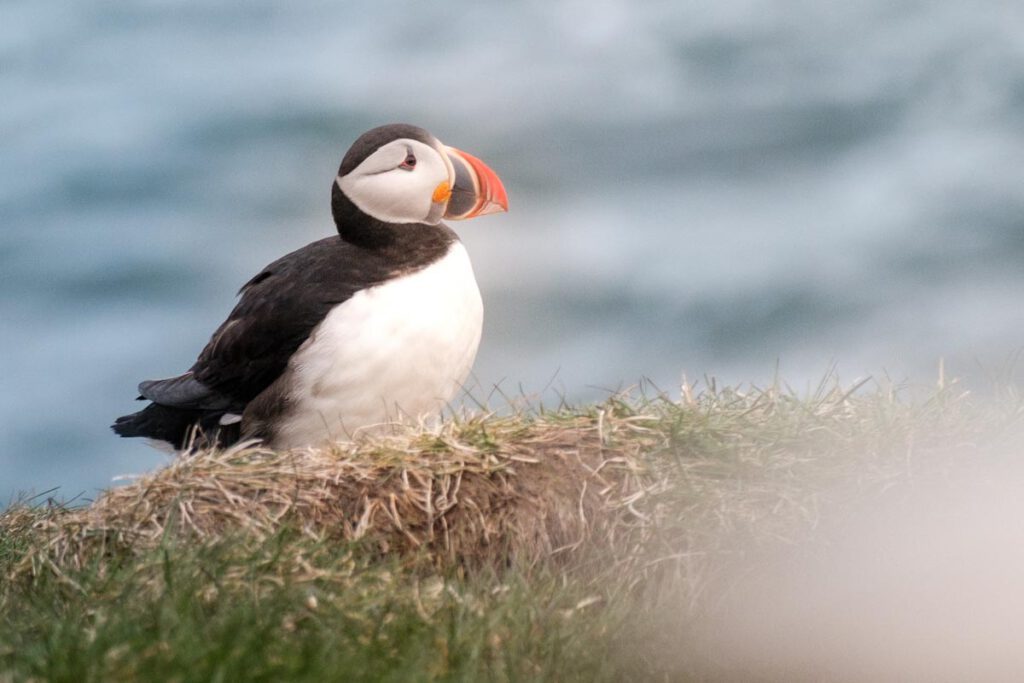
179,427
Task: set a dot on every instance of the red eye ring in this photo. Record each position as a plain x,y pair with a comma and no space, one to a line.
409,163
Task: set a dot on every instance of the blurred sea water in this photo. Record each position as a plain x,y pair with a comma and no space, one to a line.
730,189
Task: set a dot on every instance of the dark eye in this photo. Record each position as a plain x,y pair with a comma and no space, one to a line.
409,163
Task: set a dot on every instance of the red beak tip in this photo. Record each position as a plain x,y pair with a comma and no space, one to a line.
491,195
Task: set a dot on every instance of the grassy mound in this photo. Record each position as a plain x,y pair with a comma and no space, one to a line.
577,544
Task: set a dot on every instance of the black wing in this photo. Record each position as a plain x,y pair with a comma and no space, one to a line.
277,312
183,391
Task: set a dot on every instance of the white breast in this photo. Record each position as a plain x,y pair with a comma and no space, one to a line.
397,351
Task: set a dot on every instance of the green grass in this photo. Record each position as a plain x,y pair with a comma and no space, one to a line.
176,614
712,481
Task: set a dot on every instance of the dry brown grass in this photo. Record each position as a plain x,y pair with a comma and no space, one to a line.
630,485
487,491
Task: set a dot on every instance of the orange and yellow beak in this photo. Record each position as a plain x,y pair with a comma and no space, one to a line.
477,190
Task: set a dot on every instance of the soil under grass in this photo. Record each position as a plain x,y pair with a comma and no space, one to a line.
576,544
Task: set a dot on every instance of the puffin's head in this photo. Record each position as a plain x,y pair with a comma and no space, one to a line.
402,174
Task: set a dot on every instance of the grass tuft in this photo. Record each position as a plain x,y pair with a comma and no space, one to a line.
539,546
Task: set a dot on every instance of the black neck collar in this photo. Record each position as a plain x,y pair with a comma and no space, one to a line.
407,245
357,227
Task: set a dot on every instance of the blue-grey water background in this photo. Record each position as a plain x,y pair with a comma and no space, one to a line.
703,188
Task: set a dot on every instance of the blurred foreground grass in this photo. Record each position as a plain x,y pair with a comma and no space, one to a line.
571,544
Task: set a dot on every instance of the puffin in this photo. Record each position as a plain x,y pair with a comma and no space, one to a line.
376,324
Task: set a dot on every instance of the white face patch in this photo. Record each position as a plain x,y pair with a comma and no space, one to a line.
383,187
